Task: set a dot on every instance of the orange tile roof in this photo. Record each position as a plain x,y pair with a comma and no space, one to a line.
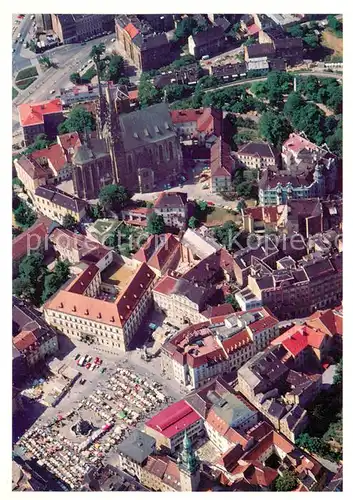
329,322
132,30
111,313
33,113
133,95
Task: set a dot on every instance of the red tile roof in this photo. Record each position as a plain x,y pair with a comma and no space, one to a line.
54,154
220,426
296,143
81,283
253,29
207,120
329,321
110,313
165,285
298,338
157,250
24,340
33,113
132,30
221,160
30,239
174,419
69,142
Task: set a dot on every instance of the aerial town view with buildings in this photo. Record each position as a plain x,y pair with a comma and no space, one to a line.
177,252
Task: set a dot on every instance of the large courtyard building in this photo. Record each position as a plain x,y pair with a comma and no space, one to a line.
82,310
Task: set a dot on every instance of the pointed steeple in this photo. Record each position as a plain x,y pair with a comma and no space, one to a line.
188,458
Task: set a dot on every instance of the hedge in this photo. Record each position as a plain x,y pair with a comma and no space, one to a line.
23,84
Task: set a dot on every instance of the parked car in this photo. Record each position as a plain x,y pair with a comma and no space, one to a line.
103,370
77,356
88,365
82,381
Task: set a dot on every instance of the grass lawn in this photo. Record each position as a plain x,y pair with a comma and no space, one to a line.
14,93
26,73
219,216
89,74
23,84
330,40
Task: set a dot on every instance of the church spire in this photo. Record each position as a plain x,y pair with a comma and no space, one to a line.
188,460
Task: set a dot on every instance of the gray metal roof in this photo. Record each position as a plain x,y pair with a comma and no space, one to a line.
146,126
138,446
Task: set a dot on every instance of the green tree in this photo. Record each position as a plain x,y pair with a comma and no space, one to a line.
155,224
250,41
114,197
206,82
148,93
31,266
234,31
79,120
338,376
296,31
62,270
202,205
23,288
334,23
226,234
75,78
260,89
193,222
45,61
114,69
95,211
176,91
311,40
230,299
185,28
286,482
274,127
24,215
96,54
17,182
69,222
241,205
51,285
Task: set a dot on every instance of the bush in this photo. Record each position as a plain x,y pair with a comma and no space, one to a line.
26,73
89,74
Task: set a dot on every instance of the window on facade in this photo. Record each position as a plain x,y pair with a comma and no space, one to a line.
160,149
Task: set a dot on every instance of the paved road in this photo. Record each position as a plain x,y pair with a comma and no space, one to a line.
18,61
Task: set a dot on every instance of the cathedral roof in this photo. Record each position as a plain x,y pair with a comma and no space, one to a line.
85,153
146,126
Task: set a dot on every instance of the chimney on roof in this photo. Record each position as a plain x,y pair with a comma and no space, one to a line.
113,319
74,309
135,296
207,266
61,305
99,315
86,312
141,285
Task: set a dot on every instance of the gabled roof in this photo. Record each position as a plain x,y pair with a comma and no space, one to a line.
61,198
32,168
213,33
157,250
171,200
174,419
54,154
33,113
298,338
259,149
111,313
221,160
36,233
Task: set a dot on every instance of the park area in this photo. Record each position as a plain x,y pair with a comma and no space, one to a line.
25,78
333,42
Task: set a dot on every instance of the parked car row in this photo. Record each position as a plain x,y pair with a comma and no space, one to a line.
88,362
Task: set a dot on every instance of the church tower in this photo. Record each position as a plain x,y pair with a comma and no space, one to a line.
108,125
189,467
